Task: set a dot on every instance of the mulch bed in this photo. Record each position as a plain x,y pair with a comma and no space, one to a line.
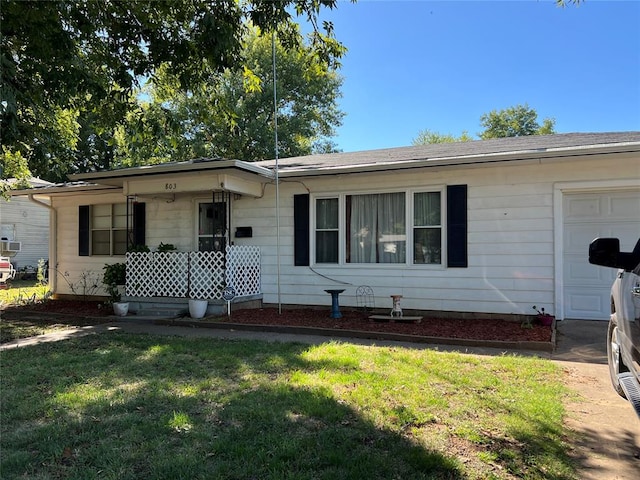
478,329
484,329
77,308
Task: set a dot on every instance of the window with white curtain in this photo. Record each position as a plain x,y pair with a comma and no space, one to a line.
380,228
376,228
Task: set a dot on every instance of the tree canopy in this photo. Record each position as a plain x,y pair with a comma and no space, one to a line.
427,136
231,115
513,121
69,68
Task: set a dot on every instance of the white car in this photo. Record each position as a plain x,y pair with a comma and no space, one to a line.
7,272
623,339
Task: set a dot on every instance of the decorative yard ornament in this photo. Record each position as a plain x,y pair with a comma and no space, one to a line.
228,294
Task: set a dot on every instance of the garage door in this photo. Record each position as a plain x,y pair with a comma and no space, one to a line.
586,288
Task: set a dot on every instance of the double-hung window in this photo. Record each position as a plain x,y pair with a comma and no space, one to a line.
427,228
327,230
109,229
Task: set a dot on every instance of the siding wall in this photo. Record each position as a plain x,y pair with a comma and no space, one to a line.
511,239
167,222
510,227
30,226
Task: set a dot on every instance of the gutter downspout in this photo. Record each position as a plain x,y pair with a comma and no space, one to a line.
53,242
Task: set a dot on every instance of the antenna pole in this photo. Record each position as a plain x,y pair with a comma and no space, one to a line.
275,128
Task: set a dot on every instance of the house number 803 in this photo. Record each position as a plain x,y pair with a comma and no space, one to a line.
170,186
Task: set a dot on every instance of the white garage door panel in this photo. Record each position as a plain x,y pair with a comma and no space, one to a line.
586,288
621,206
624,207
579,236
590,304
579,273
584,206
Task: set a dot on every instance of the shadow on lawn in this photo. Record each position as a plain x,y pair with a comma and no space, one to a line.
123,407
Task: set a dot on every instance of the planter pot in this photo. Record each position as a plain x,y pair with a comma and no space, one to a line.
197,308
121,308
545,320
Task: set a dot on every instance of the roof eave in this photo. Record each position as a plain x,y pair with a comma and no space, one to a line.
115,177
63,189
470,160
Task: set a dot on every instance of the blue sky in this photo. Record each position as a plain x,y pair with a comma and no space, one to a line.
415,65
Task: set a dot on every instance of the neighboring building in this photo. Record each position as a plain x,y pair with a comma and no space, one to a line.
493,226
25,225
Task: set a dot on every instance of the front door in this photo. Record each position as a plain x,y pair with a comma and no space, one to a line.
213,223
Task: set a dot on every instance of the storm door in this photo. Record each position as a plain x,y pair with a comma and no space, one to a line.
213,223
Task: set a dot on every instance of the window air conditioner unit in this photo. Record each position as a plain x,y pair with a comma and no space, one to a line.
10,248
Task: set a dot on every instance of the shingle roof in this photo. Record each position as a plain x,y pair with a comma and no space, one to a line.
442,154
478,151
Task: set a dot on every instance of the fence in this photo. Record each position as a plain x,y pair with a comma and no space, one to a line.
193,274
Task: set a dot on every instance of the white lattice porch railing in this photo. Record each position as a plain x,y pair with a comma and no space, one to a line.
194,274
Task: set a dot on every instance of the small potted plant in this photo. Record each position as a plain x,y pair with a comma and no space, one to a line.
114,278
544,318
198,307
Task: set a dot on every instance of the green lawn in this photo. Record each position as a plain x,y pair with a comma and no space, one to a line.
23,292
118,406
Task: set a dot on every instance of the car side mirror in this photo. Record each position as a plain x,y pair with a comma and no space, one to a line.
605,252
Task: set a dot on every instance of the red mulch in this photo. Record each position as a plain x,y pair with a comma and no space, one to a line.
495,329
480,329
70,307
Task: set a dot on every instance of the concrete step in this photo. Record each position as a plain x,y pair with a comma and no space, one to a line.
161,312
392,319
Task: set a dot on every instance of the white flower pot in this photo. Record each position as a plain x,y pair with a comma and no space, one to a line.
197,308
121,308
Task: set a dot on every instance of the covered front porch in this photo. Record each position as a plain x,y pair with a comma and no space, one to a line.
161,283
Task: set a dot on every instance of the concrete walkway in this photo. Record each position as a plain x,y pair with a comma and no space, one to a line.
607,444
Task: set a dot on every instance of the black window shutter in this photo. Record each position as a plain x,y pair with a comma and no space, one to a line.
457,226
301,230
139,223
84,231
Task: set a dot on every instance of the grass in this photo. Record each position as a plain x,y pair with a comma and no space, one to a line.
11,330
118,406
23,292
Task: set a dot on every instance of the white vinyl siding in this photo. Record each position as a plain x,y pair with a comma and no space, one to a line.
514,241
510,246
28,223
